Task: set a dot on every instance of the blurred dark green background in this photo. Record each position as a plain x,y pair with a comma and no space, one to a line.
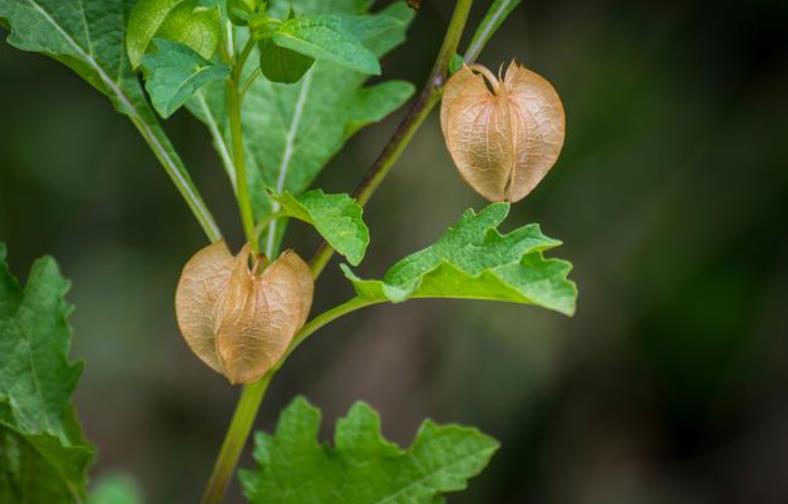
669,386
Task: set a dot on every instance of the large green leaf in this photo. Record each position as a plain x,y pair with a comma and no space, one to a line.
88,37
362,467
173,73
472,260
337,217
43,456
293,130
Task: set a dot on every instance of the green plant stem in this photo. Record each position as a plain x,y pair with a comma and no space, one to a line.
234,100
235,439
323,319
242,183
249,81
429,96
252,395
496,15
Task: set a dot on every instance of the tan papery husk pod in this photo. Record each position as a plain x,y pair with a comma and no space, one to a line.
238,320
503,140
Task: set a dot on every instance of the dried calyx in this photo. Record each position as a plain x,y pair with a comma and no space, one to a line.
239,314
503,133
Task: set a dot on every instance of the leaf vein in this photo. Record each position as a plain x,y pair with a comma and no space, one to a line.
213,126
288,153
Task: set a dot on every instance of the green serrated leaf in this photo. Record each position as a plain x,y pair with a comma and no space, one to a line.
327,37
472,260
362,467
43,455
173,73
89,41
337,217
293,130
187,22
283,65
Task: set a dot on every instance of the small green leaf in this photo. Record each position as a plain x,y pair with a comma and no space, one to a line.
43,456
362,467
337,217
173,73
283,65
183,21
329,37
473,261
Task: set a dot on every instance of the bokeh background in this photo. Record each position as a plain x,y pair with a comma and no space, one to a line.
668,386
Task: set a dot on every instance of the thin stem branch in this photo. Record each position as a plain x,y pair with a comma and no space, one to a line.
252,394
495,17
323,319
428,97
242,183
235,439
238,68
236,132
249,81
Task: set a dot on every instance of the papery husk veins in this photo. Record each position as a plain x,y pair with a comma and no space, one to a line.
239,315
504,134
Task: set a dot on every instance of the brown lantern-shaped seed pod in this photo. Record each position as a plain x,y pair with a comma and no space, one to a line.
238,319
504,135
